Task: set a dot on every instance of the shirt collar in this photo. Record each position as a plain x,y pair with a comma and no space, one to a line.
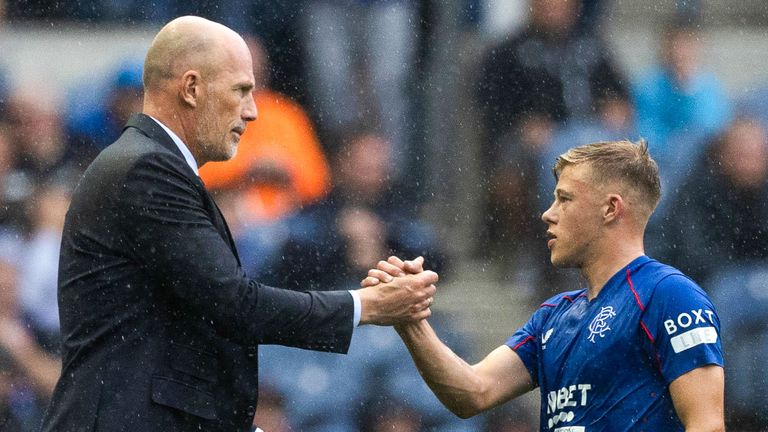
180,144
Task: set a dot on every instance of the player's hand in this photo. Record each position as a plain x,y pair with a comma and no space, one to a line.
393,267
403,298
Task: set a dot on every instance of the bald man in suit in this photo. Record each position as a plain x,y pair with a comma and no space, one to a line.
160,325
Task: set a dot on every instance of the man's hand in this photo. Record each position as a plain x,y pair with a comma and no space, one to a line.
393,267
397,297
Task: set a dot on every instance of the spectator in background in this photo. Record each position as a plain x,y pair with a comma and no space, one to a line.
276,25
360,61
27,373
512,224
728,243
39,263
38,135
122,11
14,189
548,74
721,210
679,97
97,115
270,414
591,17
753,103
359,221
11,420
3,87
388,415
738,292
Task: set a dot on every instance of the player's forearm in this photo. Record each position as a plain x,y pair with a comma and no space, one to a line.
711,419
451,379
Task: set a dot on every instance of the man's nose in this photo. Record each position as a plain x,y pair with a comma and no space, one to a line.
547,216
250,112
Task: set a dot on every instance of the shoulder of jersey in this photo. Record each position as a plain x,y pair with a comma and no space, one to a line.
654,275
568,296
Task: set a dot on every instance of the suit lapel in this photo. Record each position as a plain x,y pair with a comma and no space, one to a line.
153,130
223,226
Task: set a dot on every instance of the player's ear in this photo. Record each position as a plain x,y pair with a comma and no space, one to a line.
191,85
613,208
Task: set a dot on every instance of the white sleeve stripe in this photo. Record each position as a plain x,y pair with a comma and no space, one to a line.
692,338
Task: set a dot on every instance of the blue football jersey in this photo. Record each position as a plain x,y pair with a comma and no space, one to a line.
606,364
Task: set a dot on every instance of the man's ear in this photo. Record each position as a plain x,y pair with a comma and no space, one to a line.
613,208
190,87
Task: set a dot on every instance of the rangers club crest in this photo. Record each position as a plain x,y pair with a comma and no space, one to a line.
599,324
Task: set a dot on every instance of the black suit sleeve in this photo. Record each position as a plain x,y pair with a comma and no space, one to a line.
170,232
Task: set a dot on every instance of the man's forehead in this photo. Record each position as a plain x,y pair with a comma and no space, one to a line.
234,52
237,64
574,176
577,170
581,178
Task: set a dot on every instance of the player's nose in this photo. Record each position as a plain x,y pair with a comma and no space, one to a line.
548,216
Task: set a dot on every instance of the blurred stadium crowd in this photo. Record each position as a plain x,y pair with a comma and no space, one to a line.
324,182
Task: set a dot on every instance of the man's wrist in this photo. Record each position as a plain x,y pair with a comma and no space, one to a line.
358,308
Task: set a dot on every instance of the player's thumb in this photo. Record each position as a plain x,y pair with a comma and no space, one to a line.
427,277
414,266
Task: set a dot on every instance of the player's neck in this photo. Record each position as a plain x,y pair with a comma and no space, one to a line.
605,264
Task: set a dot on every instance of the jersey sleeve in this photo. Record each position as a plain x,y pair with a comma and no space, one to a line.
683,327
526,343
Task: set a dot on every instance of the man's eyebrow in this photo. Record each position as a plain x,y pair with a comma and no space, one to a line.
244,86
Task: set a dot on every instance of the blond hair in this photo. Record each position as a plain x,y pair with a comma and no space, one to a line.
618,161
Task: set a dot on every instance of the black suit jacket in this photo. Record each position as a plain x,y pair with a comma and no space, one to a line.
160,325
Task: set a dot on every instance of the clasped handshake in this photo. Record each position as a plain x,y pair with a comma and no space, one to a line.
397,292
